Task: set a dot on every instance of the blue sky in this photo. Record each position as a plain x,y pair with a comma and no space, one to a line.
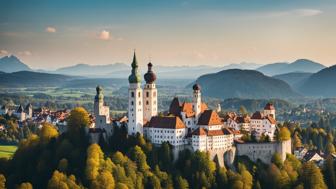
51,34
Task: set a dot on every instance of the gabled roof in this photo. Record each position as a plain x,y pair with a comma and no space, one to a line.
166,122
187,108
199,131
310,154
271,119
29,106
175,107
209,117
20,109
257,115
243,119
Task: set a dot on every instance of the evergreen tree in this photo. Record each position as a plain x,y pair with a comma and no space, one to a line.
329,172
311,176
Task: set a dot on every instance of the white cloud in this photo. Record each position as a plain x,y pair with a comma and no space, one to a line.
25,53
50,29
307,12
3,52
297,12
104,35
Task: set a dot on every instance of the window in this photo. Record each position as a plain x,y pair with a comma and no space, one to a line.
147,102
154,94
147,94
139,102
132,94
139,94
132,103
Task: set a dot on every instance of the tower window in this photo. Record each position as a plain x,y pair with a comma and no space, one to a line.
132,94
147,102
147,94
132,103
139,94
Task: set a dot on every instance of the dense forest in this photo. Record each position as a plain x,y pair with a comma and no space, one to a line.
48,159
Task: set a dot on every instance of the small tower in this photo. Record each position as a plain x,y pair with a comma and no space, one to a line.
101,112
150,94
29,111
269,110
135,105
98,101
197,102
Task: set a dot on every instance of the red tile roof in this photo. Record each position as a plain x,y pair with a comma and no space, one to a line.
166,122
209,117
269,106
257,115
176,108
199,131
271,119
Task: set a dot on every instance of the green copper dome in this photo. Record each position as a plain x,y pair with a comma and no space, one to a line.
134,77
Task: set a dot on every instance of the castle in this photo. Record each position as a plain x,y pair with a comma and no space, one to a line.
189,125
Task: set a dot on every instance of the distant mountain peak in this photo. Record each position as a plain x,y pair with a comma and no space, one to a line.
300,65
12,63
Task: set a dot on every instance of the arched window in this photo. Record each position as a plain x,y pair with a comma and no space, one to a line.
147,94
132,94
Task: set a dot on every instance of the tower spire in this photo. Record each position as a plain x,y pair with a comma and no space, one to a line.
134,77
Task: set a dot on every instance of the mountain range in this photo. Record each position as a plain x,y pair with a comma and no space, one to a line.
300,65
227,83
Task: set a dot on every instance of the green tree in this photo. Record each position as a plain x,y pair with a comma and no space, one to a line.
139,157
283,134
61,181
95,158
104,180
330,148
329,172
47,132
25,185
78,119
311,176
296,141
121,186
2,181
181,183
276,159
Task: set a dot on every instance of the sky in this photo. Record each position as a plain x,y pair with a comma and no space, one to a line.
49,34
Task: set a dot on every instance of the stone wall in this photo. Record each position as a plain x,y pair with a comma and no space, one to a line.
264,151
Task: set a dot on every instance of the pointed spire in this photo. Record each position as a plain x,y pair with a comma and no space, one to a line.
134,62
134,77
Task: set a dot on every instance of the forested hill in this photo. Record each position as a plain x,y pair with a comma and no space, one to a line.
237,83
32,79
320,84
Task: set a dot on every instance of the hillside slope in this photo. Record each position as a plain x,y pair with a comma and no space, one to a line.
320,84
244,84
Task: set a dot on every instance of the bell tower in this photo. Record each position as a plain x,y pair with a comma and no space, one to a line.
150,94
135,105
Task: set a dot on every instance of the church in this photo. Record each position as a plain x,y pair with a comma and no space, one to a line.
187,124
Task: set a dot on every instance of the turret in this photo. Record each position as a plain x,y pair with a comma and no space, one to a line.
269,110
98,101
197,102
